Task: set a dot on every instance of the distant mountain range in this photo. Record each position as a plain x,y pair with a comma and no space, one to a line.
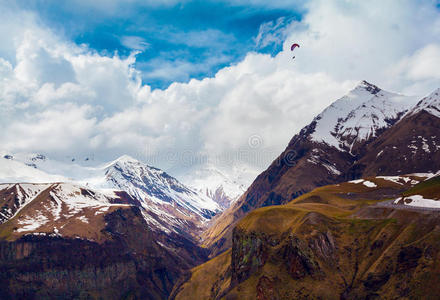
222,184
149,185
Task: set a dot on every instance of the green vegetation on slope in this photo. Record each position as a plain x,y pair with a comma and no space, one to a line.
330,243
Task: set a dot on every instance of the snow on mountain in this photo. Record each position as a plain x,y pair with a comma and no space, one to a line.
418,201
12,170
224,185
206,189
359,115
53,207
165,202
429,104
144,182
25,193
69,169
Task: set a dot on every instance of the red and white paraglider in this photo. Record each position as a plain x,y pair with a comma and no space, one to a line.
293,47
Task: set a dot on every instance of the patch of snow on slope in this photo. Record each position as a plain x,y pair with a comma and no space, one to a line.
83,219
356,181
419,201
316,161
399,179
32,222
369,184
69,200
425,175
70,195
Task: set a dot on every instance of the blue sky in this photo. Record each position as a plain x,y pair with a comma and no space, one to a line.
176,42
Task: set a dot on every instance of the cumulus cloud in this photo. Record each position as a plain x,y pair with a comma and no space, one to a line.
56,129
63,99
423,64
38,63
179,69
364,40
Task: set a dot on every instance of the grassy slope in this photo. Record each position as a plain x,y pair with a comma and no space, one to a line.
208,279
220,227
376,245
429,189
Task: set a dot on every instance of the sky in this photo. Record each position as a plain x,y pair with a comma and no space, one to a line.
175,40
177,83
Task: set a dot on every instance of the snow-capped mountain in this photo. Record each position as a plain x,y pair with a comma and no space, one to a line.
430,104
59,208
148,183
12,170
359,116
165,202
224,185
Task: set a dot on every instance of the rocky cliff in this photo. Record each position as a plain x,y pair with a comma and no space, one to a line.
131,261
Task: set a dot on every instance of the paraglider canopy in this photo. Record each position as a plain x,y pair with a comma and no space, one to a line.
293,46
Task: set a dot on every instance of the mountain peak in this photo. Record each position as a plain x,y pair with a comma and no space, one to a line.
366,86
358,116
430,104
435,95
126,158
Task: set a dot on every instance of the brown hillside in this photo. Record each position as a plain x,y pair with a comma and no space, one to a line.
334,242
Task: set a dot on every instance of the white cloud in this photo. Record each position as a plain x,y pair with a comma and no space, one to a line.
424,64
113,80
57,129
68,92
209,38
64,99
39,62
363,40
273,32
418,72
5,68
259,96
12,28
178,69
273,103
135,43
